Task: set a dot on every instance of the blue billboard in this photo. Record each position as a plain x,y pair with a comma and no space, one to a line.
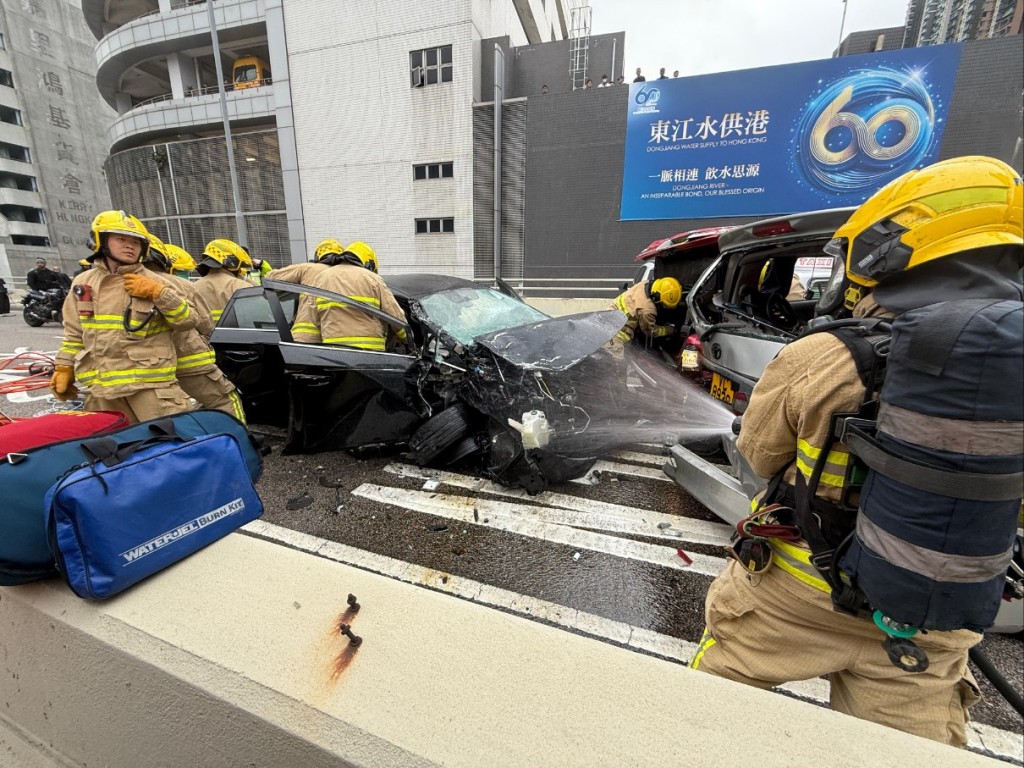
797,137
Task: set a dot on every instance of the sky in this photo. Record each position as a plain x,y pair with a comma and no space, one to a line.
701,36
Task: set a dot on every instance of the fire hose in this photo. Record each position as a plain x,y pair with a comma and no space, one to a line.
33,369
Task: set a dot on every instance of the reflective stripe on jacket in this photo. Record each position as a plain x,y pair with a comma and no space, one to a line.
341,324
113,361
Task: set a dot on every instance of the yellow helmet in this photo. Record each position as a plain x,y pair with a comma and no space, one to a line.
157,254
224,254
952,206
366,255
328,247
667,291
117,222
84,263
181,260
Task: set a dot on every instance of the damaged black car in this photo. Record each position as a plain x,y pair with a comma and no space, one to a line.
487,380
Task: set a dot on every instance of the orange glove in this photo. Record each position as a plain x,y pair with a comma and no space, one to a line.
62,383
142,287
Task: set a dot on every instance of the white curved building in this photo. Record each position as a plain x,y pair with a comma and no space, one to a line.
363,130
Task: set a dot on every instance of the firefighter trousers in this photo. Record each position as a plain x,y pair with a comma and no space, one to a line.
213,390
143,405
770,629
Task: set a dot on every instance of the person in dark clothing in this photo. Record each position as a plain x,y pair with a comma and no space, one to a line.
5,299
639,77
41,278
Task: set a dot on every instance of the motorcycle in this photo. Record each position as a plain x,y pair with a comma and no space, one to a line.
40,307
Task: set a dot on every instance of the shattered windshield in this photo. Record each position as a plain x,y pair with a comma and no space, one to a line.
466,313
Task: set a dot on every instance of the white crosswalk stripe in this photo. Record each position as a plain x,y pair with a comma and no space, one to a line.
589,513
537,523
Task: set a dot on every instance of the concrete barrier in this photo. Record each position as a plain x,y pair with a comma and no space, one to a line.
233,657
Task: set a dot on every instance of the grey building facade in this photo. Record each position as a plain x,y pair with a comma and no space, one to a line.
52,126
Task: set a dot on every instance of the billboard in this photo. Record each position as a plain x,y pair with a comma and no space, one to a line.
796,137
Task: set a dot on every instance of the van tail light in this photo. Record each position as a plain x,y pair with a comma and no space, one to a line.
689,356
775,228
739,403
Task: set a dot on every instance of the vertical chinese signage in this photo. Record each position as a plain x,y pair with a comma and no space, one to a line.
818,134
66,117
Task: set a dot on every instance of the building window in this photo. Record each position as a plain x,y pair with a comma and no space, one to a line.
6,78
14,152
430,66
10,115
435,226
433,171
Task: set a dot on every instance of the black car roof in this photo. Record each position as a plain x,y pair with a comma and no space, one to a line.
416,285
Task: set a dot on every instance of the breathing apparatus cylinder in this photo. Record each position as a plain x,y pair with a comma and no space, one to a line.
939,507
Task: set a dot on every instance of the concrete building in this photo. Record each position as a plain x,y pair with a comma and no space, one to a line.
380,126
362,130
933,22
51,136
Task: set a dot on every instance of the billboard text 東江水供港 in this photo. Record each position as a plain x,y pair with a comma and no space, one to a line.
758,142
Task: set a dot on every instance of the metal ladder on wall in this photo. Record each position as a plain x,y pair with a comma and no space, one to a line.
579,41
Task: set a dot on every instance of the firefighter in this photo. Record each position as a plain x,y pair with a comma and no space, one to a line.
341,324
328,252
196,367
222,271
949,231
182,263
640,305
118,323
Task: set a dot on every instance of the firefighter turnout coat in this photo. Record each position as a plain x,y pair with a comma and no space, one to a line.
348,326
118,344
217,288
640,312
304,327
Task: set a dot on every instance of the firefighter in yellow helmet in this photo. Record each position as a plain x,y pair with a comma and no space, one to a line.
222,269
196,367
182,263
342,324
118,324
304,327
639,304
949,231
83,265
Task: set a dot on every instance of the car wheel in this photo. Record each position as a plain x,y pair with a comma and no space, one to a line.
439,432
466,447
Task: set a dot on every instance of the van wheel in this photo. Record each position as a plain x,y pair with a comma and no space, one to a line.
439,432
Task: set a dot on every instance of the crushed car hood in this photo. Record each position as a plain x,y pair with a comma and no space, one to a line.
555,344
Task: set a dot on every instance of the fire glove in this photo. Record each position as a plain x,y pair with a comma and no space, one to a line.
62,383
664,330
142,287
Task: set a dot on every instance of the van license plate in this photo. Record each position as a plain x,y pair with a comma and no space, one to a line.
721,389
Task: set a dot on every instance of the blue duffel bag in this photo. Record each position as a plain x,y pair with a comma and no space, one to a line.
140,506
26,477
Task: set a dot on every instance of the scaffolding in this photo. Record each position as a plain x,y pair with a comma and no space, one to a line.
579,41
